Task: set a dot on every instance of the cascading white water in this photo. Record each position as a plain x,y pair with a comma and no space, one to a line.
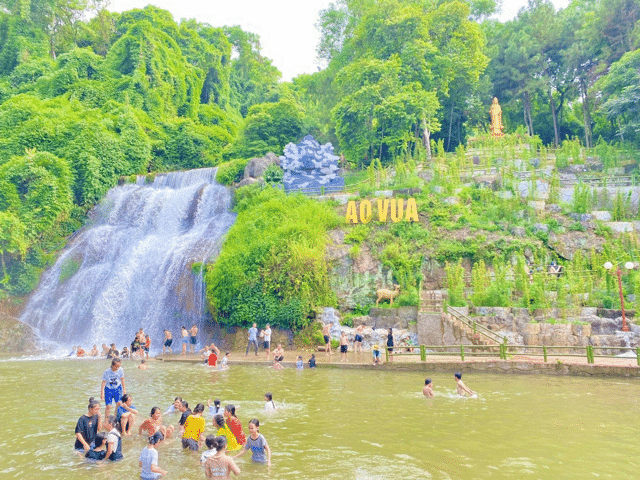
132,266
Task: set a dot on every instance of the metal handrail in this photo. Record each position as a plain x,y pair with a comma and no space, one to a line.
477,328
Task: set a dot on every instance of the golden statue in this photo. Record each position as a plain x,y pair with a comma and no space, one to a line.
496,119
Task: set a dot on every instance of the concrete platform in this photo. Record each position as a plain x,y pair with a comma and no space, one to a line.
517,364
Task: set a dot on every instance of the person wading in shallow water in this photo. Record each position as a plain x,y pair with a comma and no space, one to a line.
113,386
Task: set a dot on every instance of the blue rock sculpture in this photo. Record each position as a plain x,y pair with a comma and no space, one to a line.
311,168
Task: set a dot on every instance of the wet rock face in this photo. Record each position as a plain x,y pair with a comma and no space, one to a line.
257,166
15,336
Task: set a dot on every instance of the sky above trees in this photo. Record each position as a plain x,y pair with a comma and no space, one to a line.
287,31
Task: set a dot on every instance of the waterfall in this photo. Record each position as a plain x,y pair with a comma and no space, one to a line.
131,266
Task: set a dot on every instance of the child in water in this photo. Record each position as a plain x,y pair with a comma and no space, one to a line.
427,390
299,363
154,424
225,431
224,363
127,414
114,439
376,354
148,460
218,464
216,409
269,403
257,443
98,452
312,361
193,435
461,388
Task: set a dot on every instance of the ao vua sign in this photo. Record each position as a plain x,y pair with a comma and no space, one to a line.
387,209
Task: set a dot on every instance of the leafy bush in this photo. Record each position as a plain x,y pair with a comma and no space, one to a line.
455,284
273,261
273,174
231,172
408,298
310,336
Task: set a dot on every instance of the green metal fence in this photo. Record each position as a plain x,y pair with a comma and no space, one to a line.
503,351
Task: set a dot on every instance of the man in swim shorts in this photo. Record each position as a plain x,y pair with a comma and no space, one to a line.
357,341
327,339
344,346
113,386
185,340
168,340
278,356
194,332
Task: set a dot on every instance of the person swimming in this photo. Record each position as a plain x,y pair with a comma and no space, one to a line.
269,403
461,388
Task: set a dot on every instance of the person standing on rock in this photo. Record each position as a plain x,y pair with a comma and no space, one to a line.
253,339
326,330
357,342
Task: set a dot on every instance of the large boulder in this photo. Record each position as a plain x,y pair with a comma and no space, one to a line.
15,336
257,166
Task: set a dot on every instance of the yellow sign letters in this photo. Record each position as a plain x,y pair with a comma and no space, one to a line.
388,207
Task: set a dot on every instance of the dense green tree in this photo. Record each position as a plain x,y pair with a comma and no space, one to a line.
621,95
12,238
269,127
253,79
36,188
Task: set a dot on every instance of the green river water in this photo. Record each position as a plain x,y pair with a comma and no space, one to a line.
337,424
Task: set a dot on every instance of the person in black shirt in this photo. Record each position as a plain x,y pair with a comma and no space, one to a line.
88,426
186,411
312,361
98,452
113,352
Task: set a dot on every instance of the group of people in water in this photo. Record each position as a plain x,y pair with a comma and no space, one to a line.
100,439
140,345
461,388
139,348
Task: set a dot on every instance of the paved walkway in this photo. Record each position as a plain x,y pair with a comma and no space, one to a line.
555,365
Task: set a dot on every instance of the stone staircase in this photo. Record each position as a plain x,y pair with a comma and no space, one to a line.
431,302
462,329
435,327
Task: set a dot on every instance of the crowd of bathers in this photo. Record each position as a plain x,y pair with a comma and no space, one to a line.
139,348
100,439
140,345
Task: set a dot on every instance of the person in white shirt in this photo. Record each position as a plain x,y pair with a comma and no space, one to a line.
266,340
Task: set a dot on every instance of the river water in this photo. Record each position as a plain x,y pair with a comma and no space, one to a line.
337,424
